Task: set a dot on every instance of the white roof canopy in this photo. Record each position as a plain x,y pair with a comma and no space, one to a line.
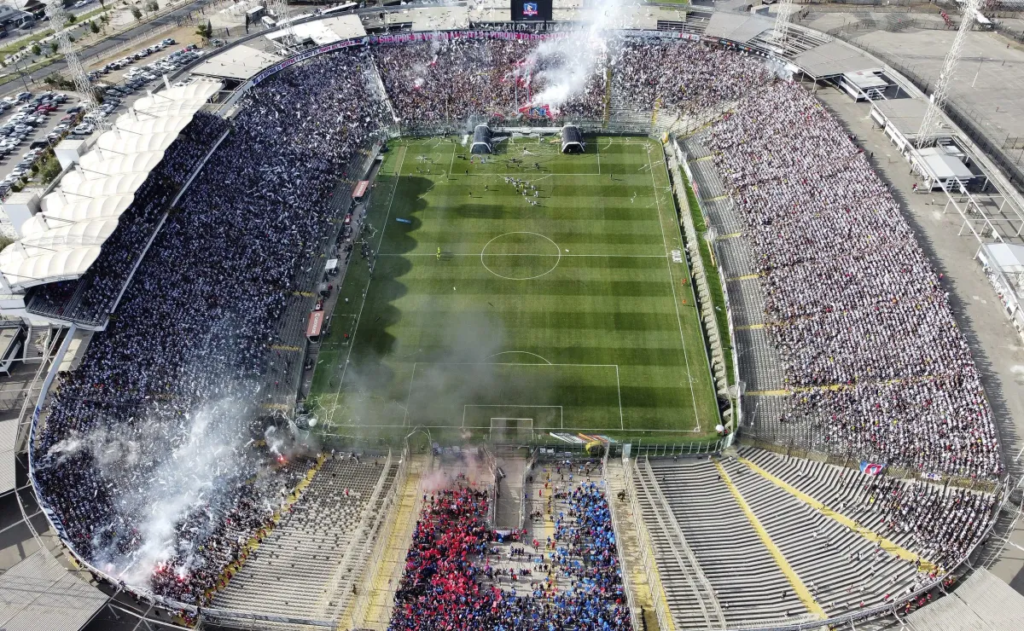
81,213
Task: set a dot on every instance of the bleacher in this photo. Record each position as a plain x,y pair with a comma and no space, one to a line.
89,299
840,544
296,570
747,583
843,570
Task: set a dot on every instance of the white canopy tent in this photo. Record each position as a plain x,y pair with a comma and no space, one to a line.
29,267
87,210
64,238
102,165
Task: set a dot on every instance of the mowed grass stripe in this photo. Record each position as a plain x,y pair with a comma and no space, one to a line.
587,310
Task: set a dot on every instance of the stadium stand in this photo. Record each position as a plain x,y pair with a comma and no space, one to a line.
224,283
842,540
89,299
295,571
688,494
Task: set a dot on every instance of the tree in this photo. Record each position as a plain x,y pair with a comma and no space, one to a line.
152,6
205,31
72,18
53,47
36,50
93,28
136,13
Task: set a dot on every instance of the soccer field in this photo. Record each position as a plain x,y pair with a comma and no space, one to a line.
495,317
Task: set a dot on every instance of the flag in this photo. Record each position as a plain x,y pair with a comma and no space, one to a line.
536,111
871,468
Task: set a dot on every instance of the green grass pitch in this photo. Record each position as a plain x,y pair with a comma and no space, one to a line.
573,314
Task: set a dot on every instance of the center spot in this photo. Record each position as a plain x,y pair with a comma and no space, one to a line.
520,255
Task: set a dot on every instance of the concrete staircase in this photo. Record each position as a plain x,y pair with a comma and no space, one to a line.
395,542
633,572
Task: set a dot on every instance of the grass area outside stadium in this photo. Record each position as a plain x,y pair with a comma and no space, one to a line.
491,313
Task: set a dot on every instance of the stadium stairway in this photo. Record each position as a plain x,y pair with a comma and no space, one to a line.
627,532
294,570
745,580
394,543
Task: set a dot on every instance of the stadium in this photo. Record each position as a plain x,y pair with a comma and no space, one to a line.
592,315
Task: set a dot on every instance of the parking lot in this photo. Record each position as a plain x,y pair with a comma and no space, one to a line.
33,123
30,124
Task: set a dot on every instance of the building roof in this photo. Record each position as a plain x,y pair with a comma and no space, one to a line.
981,602
27,267
1008,257
38,593
943,165
80,214
324,32
239,63
100,164
832,59
8,432
88,209
439,18
905,115
737,27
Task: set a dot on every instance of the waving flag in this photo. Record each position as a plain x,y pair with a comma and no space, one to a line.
871,468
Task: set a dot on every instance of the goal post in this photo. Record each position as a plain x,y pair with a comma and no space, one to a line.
505,427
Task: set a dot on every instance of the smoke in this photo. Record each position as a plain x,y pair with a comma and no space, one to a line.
562,66
168,486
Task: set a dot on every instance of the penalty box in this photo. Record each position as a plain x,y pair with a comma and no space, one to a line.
515,398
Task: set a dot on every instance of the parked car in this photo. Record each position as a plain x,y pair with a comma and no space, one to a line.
23,96
169,42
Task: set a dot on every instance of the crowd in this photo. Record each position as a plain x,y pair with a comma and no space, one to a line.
680,76
447,82
194,330
91,297
449,583
944,523
851,303
860,319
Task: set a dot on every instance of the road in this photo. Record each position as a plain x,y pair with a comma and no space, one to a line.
14,87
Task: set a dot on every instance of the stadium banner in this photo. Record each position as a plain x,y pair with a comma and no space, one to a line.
934,477
532,10
871,468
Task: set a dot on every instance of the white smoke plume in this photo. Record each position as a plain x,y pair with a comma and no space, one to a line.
563,65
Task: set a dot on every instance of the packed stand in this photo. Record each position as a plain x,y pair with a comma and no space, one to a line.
851,301
156,416
446,82
682,77
450,584
90,298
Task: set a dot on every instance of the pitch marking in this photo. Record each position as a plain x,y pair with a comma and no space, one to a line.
524,353
484,250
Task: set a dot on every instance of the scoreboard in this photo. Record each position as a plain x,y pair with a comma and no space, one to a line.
531,10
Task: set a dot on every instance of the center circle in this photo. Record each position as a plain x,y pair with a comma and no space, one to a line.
520,255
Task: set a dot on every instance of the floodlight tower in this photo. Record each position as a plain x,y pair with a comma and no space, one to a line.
58,20
780,32
280,8
930,124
